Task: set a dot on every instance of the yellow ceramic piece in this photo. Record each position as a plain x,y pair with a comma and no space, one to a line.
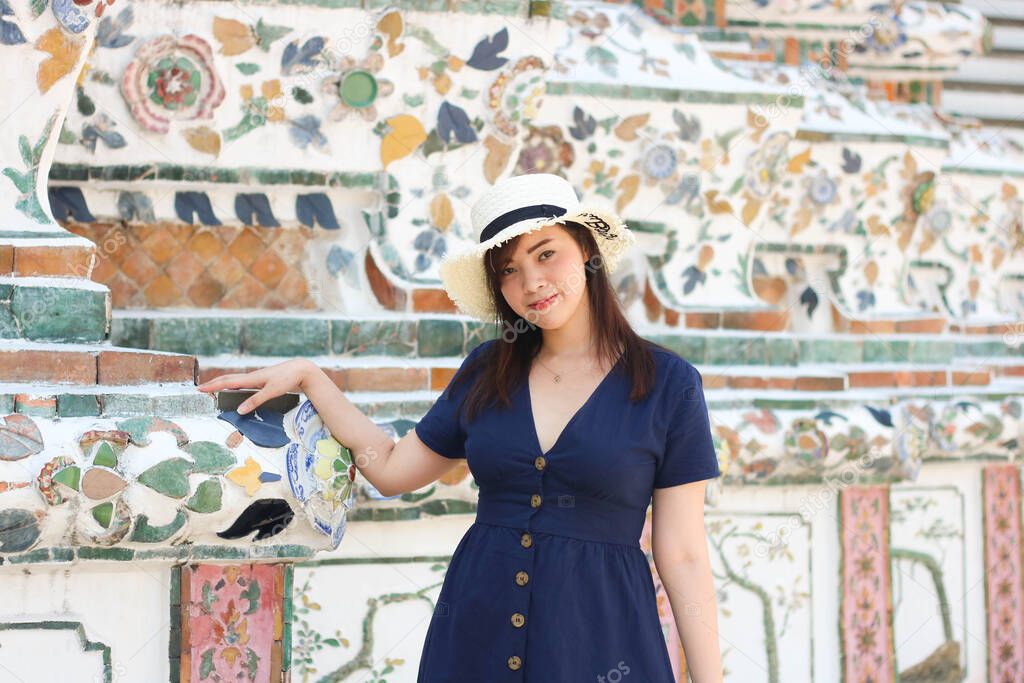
328,448
247,476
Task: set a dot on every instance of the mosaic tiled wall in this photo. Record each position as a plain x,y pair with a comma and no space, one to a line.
170,266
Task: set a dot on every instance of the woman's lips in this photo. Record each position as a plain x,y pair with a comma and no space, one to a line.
545,303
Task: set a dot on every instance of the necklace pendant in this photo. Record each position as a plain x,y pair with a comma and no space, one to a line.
558,378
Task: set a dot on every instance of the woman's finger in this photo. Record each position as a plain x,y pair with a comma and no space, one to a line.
248,380
254,401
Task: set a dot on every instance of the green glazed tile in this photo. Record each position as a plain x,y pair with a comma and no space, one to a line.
883,350
210,457
286,337
103,513
78,405
169,477
60,313
436,337
931,351
207,497
94,553
831,351
395,338
782,351
8,325
130,332
145,533
198,336
70,477
735,351
105,456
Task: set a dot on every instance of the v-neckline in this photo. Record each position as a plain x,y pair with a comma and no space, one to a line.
579,411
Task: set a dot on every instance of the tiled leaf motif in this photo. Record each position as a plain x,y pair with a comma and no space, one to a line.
485,54
10,34
99,483
110,33
146,533
210,457
169,477
139,429
207,498
105,456
19,530
19,437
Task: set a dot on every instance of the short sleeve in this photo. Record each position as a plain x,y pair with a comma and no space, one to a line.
689,446
441,429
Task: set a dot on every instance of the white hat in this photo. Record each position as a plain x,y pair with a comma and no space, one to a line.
514,206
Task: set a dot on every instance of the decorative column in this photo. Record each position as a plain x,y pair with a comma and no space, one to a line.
865,611
1004,593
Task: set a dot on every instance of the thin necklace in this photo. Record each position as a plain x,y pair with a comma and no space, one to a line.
558,375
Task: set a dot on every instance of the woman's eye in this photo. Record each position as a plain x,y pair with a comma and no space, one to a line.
548,252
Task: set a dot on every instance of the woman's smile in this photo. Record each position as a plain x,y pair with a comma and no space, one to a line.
543,305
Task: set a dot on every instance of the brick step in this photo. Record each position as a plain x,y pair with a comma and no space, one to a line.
386,376
63,309
334,338
60,400
74,257
84,364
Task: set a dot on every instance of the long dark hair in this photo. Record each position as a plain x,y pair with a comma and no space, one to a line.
506,365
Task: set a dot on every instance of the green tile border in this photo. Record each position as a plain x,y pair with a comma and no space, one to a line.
79,630
913,140
627,92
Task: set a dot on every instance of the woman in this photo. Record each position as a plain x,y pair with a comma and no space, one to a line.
570,422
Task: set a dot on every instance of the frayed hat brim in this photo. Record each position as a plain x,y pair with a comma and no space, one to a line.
464,274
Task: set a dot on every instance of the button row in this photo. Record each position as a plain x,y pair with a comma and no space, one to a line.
515,662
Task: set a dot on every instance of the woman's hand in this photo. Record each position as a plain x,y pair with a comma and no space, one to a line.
272,382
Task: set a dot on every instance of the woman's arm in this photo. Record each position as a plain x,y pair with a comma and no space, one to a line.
392,468
679,545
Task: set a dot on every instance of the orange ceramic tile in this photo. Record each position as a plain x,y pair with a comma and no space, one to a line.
160,246
246,247
184,269
227,270
268,268
205,246
140,268
162,292
206,291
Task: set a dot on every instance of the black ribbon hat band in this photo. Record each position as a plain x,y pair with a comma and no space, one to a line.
521,214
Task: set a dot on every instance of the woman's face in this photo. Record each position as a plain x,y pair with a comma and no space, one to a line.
547,267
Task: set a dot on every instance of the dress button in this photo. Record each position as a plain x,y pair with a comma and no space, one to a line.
526,540
514,662
535,500
522,577
540,462
518,620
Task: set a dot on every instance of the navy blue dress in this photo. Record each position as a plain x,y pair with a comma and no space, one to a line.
549,584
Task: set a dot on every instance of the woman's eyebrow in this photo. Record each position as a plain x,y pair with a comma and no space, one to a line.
539,244
508,260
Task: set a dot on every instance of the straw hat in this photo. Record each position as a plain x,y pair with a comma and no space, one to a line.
515,206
